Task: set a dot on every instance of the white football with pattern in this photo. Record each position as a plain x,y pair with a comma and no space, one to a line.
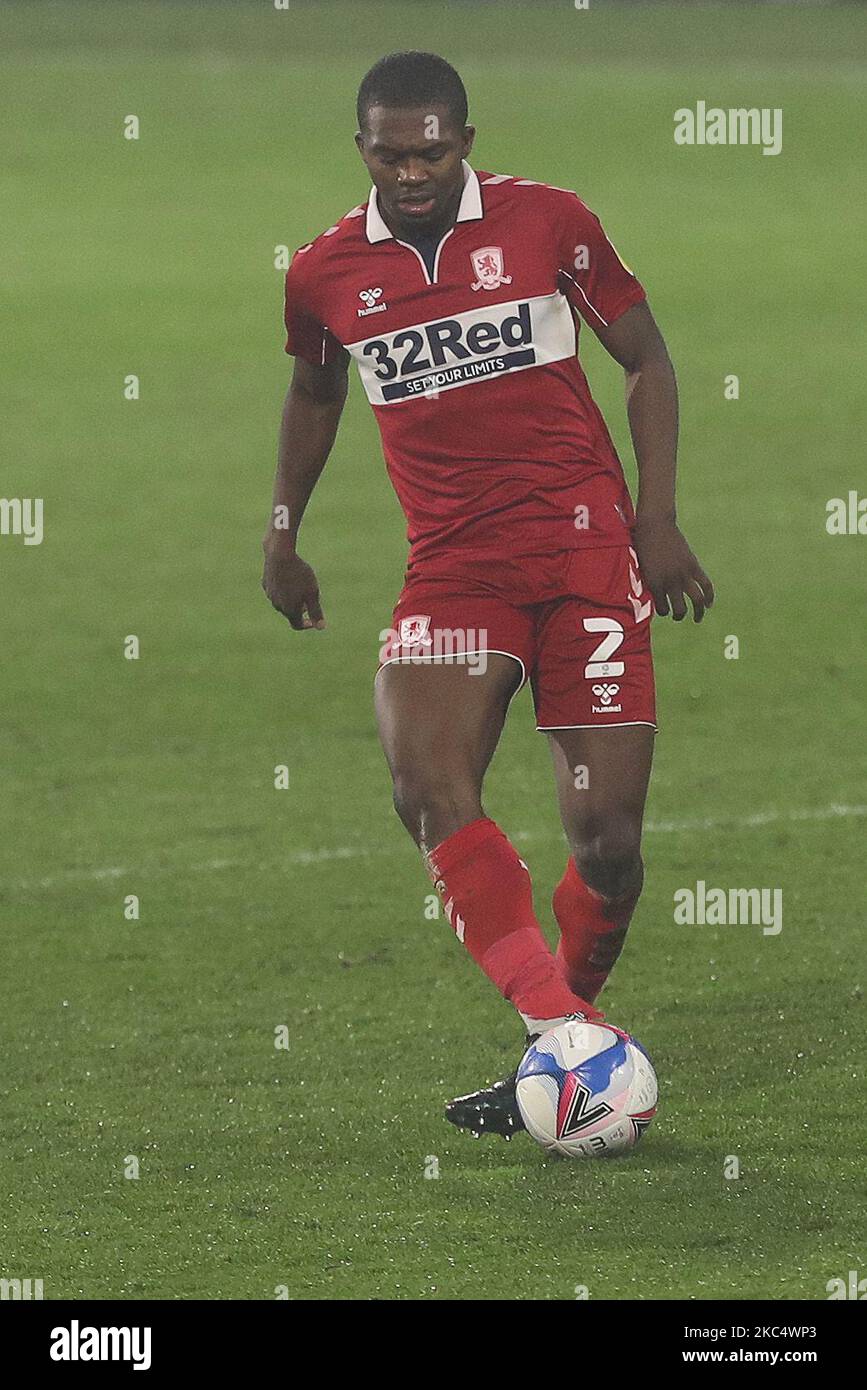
586,1090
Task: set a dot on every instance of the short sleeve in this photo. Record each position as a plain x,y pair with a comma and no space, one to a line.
306,335
592,276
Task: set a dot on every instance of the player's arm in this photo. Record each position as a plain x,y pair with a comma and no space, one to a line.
311,414
670,569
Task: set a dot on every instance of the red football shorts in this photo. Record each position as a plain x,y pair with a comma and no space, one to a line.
577,622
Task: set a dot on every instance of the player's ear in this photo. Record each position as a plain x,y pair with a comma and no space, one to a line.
469,137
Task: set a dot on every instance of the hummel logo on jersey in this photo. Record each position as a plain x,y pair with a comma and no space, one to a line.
488,265
606,693
370,297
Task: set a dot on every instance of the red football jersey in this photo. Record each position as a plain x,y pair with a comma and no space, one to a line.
491,437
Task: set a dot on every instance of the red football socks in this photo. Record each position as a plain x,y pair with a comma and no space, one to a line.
489,903
592,932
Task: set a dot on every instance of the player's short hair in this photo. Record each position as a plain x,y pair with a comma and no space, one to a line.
412,79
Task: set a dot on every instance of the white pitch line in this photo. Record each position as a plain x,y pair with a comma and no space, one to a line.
305,857
832,812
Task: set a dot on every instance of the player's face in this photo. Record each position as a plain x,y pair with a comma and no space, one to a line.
414,159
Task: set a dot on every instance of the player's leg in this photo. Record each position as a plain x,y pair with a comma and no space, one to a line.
439,723
594,692
602,777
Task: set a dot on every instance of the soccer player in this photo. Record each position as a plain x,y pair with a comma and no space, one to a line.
459,294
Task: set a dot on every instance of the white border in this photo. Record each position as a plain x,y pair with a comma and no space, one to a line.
454,661
421,259
621,724
604,322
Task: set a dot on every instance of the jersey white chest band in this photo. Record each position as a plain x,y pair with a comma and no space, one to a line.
462,349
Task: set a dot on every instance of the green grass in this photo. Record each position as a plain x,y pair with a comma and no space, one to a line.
260,908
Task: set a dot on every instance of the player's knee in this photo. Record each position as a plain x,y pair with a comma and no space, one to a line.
608,858
408,803
432,808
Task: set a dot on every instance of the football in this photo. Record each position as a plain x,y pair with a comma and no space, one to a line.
586,1090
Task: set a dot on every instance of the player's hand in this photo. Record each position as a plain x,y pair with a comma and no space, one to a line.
671,571
291,586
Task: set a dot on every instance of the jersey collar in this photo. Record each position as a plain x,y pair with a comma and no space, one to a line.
470,209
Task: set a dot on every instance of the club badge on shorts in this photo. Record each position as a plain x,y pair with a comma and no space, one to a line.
414,632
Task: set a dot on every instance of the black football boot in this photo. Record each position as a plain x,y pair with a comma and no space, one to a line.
493,1110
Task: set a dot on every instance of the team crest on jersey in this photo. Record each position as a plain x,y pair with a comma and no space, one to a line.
414,632
489,265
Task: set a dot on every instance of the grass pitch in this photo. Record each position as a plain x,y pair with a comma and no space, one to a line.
154,1039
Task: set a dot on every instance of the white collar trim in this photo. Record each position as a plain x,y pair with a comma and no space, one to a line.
470,209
